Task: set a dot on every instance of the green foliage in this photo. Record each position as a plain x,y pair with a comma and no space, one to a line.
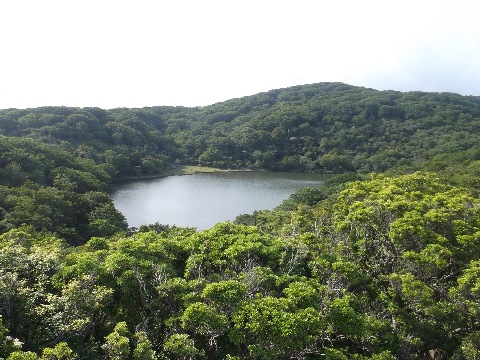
204,320
384,268
117,343
180,346
470,348
307,196
7,343
364,267
225,295
49,188
21,355
319,127
270,329
143,347
74,312
61,351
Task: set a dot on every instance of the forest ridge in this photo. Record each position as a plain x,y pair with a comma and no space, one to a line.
380,263
320,127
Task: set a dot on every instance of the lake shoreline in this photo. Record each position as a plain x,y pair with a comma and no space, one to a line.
178,171
204,199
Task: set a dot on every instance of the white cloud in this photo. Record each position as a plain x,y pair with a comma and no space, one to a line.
123,53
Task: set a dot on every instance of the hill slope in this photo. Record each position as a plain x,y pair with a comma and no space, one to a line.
320,127
381,268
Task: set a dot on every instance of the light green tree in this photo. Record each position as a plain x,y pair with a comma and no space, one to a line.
117,343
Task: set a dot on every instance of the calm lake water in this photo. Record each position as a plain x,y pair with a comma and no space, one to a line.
202,200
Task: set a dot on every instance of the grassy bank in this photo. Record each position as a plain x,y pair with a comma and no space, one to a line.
179,170
190,169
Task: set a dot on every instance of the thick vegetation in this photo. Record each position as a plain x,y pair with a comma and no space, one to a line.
370,266
321,127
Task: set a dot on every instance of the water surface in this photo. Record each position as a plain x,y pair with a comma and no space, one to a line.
204,199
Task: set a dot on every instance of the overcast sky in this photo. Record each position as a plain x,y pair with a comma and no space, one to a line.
114,53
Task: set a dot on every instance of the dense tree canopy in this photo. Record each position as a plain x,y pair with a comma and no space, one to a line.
379,263
387,268
319,127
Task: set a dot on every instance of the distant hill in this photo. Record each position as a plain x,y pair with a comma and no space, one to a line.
325,127
369,266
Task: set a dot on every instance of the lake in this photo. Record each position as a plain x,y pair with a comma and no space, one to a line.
201,200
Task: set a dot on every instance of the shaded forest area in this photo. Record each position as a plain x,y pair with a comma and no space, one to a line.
380,263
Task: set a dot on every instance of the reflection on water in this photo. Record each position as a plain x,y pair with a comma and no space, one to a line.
202,200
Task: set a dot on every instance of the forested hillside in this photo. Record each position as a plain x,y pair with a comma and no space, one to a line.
321,127
380,263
